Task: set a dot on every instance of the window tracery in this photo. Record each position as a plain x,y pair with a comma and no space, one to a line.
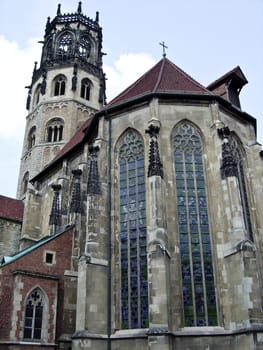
233,165
85,89
65,46
84,47
133,256
199,298
31,138
34,315
54,130
59,85
25,181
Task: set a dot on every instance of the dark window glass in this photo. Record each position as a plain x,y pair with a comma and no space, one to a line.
193,223
34,315
134,280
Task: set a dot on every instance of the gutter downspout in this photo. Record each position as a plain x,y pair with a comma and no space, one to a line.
109,237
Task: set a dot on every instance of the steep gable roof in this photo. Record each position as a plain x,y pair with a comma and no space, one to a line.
165,76
11,208
236,74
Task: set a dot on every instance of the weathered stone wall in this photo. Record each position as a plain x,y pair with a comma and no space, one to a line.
10,232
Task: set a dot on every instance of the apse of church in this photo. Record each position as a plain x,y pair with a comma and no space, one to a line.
142,217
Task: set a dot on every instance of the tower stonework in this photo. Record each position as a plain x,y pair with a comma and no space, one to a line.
66,89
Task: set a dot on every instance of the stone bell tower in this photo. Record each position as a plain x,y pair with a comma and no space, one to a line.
66,89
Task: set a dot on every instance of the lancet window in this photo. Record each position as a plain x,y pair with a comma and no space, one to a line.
25,181
34,315
199,299
37,95
65,46
133,257
232,150
84,47
31,137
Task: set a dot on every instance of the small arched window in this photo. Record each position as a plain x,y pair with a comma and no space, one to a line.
59,85
48,50
34,315
85,89
54,130
65,46
31,137
25,181
37,95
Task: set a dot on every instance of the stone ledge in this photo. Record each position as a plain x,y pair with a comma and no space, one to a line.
85,334
42,344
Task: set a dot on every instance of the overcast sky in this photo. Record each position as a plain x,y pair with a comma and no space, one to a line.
206,38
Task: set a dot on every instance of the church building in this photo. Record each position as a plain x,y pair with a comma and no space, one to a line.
138,223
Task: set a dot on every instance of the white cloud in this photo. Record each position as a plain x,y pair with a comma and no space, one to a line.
125,71
16,66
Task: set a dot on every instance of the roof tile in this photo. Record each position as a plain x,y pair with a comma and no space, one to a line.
165,76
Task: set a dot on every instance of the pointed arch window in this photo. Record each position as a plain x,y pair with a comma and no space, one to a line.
31,138
85,89
37,95
59,85
25,181
34,315
199,299
233,149
49,51
65,46
133,257
84,47
54,130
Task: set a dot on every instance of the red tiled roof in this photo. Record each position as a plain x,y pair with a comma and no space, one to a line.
235,73
11,208
165,76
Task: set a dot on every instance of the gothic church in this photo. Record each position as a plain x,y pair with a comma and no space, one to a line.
138,223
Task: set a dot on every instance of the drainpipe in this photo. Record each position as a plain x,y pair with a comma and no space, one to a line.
109,237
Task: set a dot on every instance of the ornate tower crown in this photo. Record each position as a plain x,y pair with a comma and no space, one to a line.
72,39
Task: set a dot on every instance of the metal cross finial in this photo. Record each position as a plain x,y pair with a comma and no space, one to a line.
164,47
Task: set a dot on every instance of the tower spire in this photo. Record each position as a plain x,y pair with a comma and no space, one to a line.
59,10
79,8
164,47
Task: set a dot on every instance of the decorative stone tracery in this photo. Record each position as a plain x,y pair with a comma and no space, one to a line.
55,215
75,204
155,165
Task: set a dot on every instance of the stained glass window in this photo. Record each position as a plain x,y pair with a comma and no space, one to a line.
133,257
34,315
199,299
